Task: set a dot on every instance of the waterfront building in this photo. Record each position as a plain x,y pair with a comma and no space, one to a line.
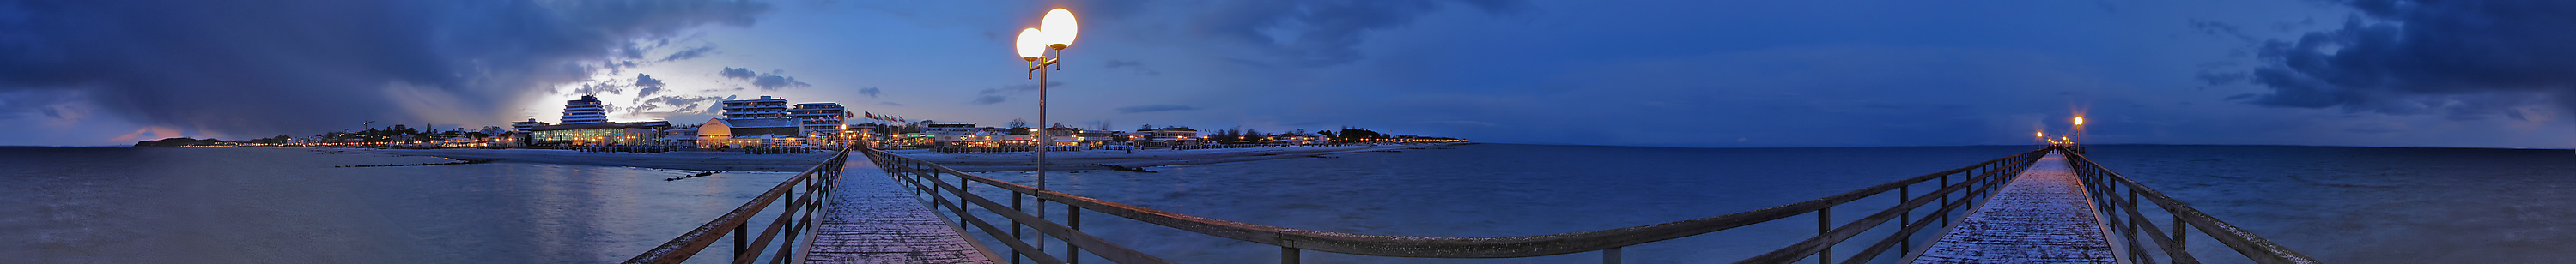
1170,135
526,126
588,110
819,120
1099,137
764,108
602,133
723,132
678,137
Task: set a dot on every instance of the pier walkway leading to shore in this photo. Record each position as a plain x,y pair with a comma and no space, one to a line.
873,220
2043,216
2041,206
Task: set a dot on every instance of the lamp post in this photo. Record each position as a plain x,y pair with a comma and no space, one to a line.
2079,133
1055,32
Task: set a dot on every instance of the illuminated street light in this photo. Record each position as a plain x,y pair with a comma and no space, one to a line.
1055,31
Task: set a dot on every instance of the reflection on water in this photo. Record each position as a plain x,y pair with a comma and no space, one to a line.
249,205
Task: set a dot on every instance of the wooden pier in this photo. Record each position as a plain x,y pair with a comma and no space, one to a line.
2042,206
2043,216
873,220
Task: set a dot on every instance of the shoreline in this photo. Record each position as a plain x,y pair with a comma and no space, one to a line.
1089,160
979,162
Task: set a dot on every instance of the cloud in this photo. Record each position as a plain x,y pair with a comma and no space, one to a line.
1319,33
1155,108
601,87
738,73
890,103
870,91
690,53
1462,123
2464,59
997,95
665,107
1140,67
774,82
301,66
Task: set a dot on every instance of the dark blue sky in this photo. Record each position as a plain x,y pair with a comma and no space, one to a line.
1655,73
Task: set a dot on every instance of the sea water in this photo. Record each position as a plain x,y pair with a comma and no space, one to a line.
261,205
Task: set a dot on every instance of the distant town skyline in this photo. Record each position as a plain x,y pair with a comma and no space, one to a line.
1686,74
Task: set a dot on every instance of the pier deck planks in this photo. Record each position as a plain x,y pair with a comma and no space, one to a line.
2041,217
874,220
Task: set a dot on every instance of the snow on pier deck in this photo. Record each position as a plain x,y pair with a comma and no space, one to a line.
2041,217
875,220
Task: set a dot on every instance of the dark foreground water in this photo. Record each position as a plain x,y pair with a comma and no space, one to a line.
250,205
242,205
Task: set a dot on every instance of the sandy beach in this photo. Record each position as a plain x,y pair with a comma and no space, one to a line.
985,162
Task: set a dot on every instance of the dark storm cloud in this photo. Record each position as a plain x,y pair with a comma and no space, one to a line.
651,85
690,53
598,88
768,82
2465,59
1320,33
738,73
300,66
1154,108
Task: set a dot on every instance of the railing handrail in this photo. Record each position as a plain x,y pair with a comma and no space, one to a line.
1457,246
689,244
2244,242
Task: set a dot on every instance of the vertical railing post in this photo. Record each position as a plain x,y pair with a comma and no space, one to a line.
1611,256
1073,219
1905,219
1288,255
1015,229
2134,223
1824,223
2178,235
738,239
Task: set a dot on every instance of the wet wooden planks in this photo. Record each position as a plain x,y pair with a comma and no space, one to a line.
2041,217
874,220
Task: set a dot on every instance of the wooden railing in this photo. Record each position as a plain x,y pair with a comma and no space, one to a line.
795,220
2126,222
1956,190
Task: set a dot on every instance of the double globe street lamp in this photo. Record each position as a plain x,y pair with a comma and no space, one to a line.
1054,33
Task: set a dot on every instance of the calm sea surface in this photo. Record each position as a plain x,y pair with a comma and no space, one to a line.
253,205
244,205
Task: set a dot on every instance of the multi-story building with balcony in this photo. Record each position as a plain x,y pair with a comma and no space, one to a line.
764,108
588,110
823,120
